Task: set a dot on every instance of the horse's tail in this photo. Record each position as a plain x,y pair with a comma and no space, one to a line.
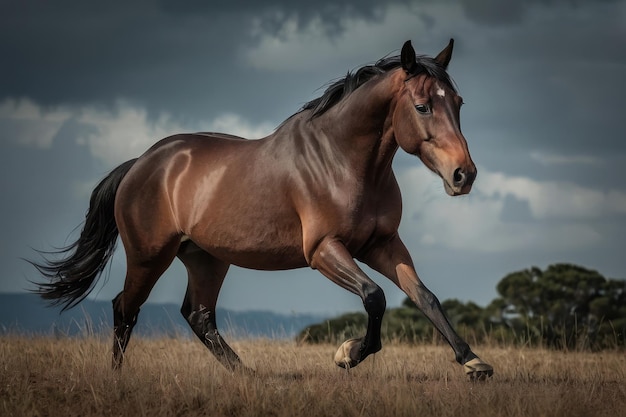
72,277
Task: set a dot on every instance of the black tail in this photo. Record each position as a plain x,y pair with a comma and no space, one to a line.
73,276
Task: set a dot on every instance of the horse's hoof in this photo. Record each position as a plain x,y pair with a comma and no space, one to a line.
477,370
349,354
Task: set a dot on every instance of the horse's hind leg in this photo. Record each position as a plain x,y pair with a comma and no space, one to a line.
206,275
141,275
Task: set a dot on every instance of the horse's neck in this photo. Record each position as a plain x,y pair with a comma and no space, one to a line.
361,125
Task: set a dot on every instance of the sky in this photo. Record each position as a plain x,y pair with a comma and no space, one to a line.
85,86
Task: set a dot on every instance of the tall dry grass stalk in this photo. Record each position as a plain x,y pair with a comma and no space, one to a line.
178,377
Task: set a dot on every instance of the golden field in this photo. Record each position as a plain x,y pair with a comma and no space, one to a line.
42,376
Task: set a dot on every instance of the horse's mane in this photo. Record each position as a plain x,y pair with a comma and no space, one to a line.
342,87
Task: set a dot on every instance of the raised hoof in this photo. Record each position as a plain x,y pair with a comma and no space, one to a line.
477,370
349,354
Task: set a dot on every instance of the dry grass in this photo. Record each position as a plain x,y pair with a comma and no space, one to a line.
167,377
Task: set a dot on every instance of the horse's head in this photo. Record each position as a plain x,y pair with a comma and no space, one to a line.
426,119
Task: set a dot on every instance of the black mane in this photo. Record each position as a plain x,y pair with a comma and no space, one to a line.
354,79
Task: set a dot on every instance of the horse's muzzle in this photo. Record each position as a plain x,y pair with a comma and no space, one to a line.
461,181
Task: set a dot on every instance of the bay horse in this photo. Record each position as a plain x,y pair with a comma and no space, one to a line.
319,192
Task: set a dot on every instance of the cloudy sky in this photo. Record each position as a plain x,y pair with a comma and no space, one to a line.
85,86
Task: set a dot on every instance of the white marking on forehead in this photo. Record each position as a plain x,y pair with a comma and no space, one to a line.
440,91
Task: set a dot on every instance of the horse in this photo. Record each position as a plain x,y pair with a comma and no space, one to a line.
318,192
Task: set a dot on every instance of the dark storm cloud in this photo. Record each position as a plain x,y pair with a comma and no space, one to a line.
331,12
72,51
498,12
76,51
494,11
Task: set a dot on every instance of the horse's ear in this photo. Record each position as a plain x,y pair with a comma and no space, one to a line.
407,56
444,56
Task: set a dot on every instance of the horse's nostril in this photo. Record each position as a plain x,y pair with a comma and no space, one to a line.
458,177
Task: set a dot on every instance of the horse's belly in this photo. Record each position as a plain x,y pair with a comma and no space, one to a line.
266,244
262,259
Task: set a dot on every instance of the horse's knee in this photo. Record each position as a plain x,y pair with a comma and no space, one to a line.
374,300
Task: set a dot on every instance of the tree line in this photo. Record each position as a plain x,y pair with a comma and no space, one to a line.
564,306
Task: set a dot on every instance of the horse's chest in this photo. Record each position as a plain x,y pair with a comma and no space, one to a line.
366,221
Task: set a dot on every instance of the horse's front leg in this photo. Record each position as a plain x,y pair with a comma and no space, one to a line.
393,260
333,260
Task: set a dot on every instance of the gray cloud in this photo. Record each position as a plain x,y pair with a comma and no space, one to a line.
494,11
82,53
498,13
154,52
274,12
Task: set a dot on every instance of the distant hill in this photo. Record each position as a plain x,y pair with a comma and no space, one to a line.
28,313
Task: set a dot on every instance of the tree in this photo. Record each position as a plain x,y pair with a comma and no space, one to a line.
565,306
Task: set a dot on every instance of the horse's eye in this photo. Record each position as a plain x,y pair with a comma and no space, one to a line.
422,108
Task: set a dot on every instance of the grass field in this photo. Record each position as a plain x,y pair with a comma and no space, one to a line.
178,377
